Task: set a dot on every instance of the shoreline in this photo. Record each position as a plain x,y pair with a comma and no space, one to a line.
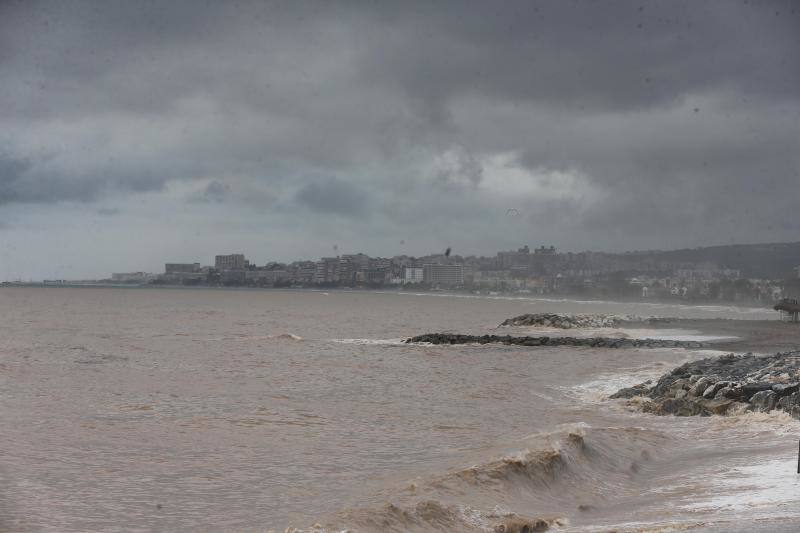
739,335
750,306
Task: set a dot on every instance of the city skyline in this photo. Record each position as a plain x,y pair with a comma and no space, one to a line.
754,273
207,259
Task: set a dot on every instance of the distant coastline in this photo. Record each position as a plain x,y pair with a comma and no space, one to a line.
416,291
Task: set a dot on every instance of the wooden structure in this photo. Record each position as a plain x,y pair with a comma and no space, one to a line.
790,308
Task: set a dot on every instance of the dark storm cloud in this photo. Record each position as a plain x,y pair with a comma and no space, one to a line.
333,196
27,181
21,182
620,55
683,116
587,55
12,171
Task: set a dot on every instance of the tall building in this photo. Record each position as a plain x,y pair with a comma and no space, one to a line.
444,275
361,261
375,275
520,258
327,270
181,268
412,275
230,262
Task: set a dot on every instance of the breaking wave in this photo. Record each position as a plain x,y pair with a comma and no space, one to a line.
285,336
529,489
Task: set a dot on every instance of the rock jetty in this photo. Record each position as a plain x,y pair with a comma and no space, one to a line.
565,321
590,342
720,385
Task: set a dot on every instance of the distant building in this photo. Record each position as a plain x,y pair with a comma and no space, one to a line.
412,275
520,259
359,261
181,268
233,277
304,271
545,250
347,270
266,277
327,270
375,275
230,262
132,277
444,275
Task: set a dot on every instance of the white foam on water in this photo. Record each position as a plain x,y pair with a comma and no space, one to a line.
374,342
627,333
766,488
673,335
606,384
749,313
748,423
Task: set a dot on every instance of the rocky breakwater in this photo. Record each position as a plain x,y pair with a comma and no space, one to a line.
725,384
564,321
589,342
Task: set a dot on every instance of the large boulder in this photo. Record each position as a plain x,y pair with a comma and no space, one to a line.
719,406
745,391
631,392
700,385
678,407
764,401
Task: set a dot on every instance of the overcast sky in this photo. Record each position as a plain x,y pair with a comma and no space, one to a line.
134,133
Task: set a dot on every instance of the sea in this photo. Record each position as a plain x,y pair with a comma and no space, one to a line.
260,410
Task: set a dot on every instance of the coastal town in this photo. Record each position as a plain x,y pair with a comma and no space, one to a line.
746,273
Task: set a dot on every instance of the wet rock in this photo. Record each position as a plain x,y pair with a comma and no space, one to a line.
719,407
764,401
630,392
566,321
718,384
595,342
700,385
786,403
678,407
522,525
785,389
711,390
723,393
679,385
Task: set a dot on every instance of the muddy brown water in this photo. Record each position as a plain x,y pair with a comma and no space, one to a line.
223,410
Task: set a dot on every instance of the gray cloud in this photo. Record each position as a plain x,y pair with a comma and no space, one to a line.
605,124
23,180
333,196
458,169
213,192
12,171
